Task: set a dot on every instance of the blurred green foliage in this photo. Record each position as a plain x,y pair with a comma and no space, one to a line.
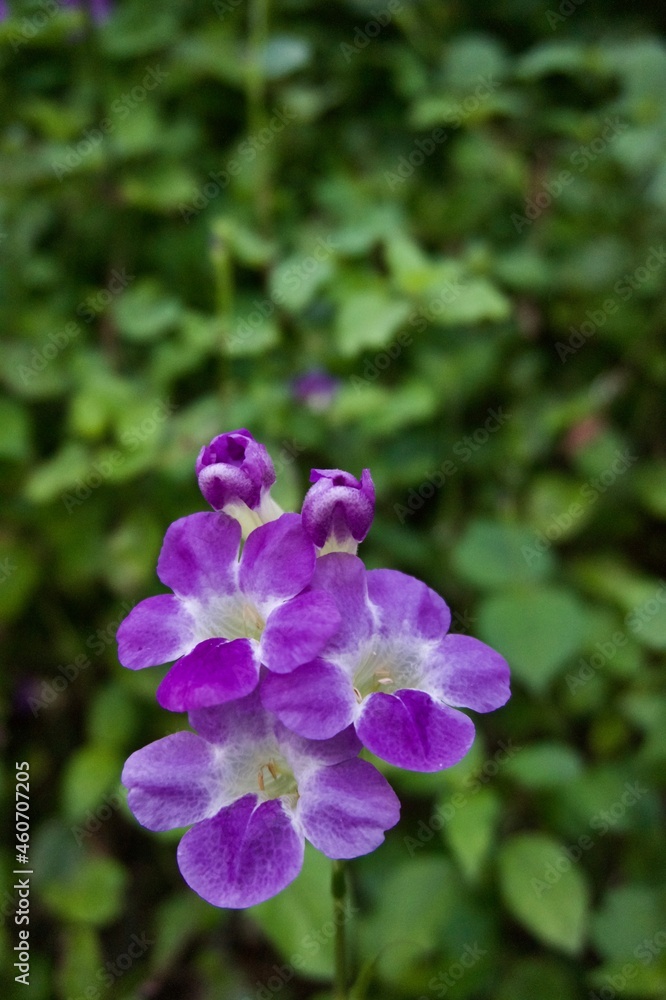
457,211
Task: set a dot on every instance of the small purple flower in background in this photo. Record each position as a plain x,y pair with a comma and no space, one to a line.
235,475
4,10
316,388
391,670
225,618
99,9
338,510
255,792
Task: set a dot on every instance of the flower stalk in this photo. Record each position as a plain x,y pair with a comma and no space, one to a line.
339,892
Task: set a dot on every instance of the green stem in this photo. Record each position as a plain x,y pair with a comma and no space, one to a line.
255,92
339,891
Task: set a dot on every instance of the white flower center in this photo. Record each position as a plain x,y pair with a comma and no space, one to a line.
228,618
388,667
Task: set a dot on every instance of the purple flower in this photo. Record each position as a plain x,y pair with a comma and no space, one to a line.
255,792
225,618
391,670
338,509
100,9
316,388
235,475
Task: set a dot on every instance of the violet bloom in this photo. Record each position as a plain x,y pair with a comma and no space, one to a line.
99,9
338,510
235,475
391,670
225,618
316,388
255,792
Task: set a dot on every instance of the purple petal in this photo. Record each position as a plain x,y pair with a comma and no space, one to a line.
343,576
216,671
344,810
298,630
232,468
411,730
407,605
464,671
234,722
315,700
172,782
242,856
278,561
157,630
338,505
198,557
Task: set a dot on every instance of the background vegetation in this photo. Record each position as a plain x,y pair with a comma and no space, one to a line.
455,211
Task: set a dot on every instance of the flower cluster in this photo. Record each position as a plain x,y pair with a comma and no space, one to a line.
290,657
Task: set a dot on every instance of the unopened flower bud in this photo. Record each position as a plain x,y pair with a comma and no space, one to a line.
235,475
338,509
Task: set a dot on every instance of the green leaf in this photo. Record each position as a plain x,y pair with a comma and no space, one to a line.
649,482
470,831
628,915
19,573
144,312
14,430
492,554
538,977
536,630
296,280
368,320
545,891
90,775
90,893
417,900
298,921
81,963
545,765
180,919
251,330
